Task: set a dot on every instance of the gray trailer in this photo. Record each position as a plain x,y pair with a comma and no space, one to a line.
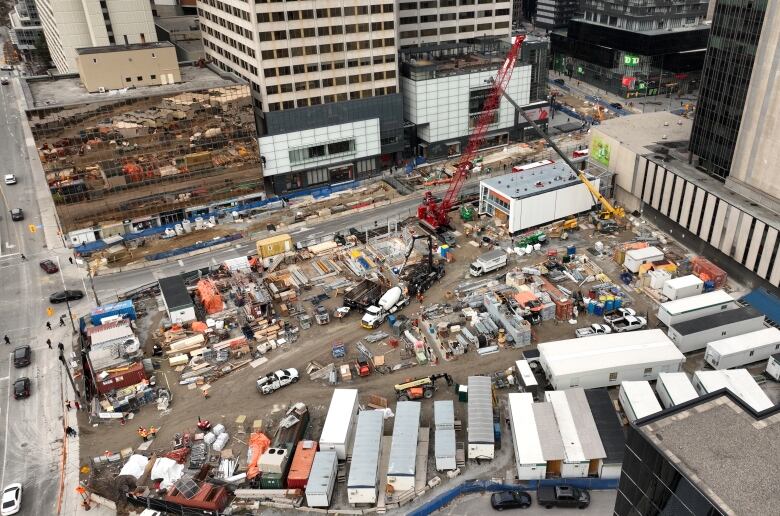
680,310
695,334
444,437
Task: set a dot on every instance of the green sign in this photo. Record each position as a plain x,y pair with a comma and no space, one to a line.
630,60
580,70
599,150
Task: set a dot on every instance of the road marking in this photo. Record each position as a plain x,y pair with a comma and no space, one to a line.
5,434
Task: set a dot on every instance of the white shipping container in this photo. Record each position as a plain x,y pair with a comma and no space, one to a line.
363,480
680,310
674,388
526,381
694,335
402,464
444,437
738,381
322,479
743,349
481,440
773,366
339,423
605,360
684,286
636,257
638,400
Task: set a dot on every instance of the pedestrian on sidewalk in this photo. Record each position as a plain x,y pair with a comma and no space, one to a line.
77,405
24,258
70,432
62,321
70,259
68,405
48,325
60,346
48,343
7,340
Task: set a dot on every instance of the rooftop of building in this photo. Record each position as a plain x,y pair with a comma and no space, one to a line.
178,23
520,185
650,32
663,138
436,60
722,447
107,49
67,90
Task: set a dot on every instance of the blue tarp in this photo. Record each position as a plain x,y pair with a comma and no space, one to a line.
90,247
766,303
123,308
193,247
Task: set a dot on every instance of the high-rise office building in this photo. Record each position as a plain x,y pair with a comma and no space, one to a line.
72,24
25,25
726,76
551,14
421,23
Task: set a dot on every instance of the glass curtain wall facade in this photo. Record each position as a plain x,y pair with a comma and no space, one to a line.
731,50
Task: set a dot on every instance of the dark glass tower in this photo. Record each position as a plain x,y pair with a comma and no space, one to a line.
731,50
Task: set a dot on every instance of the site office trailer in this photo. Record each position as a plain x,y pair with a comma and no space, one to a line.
584,452
743,349
638,400
636,257
444,436
322,479
363,480
694,334
682,287
674,388
738,381
481,437
402,464
680,310
529,458
339,423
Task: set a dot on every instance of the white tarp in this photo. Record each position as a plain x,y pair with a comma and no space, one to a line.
237,264
134,466
168,470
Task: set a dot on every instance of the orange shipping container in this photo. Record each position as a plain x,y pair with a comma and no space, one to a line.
300,468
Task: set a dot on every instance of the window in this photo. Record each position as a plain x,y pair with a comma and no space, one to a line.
278,16
128,79
322,13
293,15
387,8
751,352
484,26
267,54
327,83
313,85
295,33
272,90
298,69
325,49
354,79
269,72
311,67
274,106
284,70
314,101
429,32
613,377
300,86
329,98
648,371
302,102
336,30
352,45
280,35
335,12
349,11
341,81
282,52
323,31
286,88
288,104
152,77
296,51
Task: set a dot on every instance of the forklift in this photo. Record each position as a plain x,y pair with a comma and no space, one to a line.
420,387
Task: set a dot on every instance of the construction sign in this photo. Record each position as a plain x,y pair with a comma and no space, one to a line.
50,311
32,227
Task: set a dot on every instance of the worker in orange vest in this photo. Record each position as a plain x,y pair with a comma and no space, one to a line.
143,433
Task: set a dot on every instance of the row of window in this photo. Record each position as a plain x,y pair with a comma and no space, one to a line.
463,15
432,4
328,82
325,150
329,99
333,12
326,48
230,41
310,32
235,59
226,8
412,34
283,53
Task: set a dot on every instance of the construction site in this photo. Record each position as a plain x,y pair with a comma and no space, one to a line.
375,369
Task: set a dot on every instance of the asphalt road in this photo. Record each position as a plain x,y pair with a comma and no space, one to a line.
602,503
30,429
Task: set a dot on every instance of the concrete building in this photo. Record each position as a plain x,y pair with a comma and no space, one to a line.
731,53
711,455
449,21
553,14
653,175
25,27
634,49
115,67
168,8
137,159
184,33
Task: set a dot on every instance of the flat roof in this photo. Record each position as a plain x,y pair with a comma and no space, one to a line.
108,49
731,457
586,426
525,373
567,426
366,448
608,424
321,471
678,386
178,23
549,434
752,340
519,185
684,281
644,253
340,416
738,381
528,446
641,397
571,356
444,414
174,292
690,304
66,90
716,320
403,451
480,410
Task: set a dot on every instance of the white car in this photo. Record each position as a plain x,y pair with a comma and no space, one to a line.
10,179
12,499
276,380
7,68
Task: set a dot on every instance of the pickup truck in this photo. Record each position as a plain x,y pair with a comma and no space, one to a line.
628,323
593,329
562,496
618,314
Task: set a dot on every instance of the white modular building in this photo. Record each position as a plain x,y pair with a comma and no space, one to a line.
695,334
611,432
444,437
680,310
738,381
636,257
481,439
340,422
322,479
684,286
526,380
674,388
743,349
638,400
363,479
605,360
530,198
403,450
583,449
529,457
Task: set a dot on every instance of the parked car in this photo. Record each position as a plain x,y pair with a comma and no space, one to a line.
7,68
616,105
562,496
276,380
17,214
619,313
510,500
593,329
628,323
559,81
10,179
49,266
22,356
12,499
22,389
4,81
66,295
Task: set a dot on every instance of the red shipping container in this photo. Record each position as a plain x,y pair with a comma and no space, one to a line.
708,271
120,378
300,468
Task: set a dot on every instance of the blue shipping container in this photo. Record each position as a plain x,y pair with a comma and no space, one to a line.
122,308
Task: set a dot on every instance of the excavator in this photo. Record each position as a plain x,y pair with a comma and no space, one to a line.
420,387
423,275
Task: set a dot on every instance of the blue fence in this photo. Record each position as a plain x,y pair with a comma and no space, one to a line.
478,486
193,247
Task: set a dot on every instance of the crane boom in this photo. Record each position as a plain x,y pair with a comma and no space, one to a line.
435,214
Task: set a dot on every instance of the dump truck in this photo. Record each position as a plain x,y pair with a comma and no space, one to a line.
488,262
420,387
363,295
392,301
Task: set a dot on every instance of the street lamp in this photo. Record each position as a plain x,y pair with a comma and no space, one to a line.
67,300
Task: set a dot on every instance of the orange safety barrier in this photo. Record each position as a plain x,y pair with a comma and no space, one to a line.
209,296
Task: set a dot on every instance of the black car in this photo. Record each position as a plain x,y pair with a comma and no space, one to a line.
559,81
22,388
22,356
510,500
49,266
617,105
17,214
66,295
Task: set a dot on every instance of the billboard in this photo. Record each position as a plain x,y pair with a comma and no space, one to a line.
599,150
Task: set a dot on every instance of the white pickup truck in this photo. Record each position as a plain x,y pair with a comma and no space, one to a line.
618,314
593,329
628,323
